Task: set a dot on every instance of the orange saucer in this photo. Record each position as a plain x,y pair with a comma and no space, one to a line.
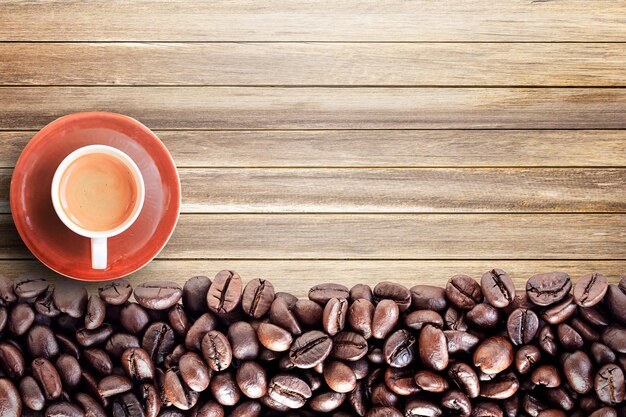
50,240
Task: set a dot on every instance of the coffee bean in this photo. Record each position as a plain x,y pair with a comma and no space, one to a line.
69,371
41,342
549,288
386,315
177,391
64,409
96,313
559,397
457,403
339,377
323,292
225,292
158,341
289,390
464,376
522,326
48,378
194,295
119,342
208,409
494,355
151,399
602,354
258,296
590,289
526,357
12,360
419,408
547,376
158,295
362,292
70,298
501,387
401,381
497,287
578,371
44,305
487,409
433,348
7,294
251,379
399,349
484,316
334,315
310,349
281,315
30,286
609,384
616,303
178,319
326,401
116,292
137,364
91,407
216,350
247,409
428,297
349,346
418,319
454,319
134,318
204,324
392,291
570,339
615,337
547,340
463,292
559,312
243,341
30,393
430,381
224,389
458,341
127,405
86,337
604,412
99,360
308,313
288,297
586,331
274,338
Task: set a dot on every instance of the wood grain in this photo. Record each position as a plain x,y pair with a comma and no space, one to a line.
325,64
232,190
323,108
316,20
379,148
383,236
297,277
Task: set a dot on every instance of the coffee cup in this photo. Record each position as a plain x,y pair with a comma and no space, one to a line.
98,192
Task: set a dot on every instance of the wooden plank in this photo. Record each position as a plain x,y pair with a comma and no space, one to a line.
297,277
325,64
389,148
423,190
316,20
323,108
383,236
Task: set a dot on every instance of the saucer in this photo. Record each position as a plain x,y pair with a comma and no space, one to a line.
50,240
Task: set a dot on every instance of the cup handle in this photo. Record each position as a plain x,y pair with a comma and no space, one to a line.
99,253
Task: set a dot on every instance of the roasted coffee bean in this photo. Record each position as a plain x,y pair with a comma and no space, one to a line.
549,288
386,412
151,399
225,292
40,341
178,319
323,292
559,312
609,384
526,357
559,397
7,294
364,292
48,378
289,390
177,391
326,401
30,286
310,349
386,315
458,341
274,338
616,303
172,359
487,409
547,376
116,292
615,338
494,355
484,316
216,350
127,405
208,409
360,317
158,295
137,364
391,291
134,318
497,287
119,342
594,316
99,360
20,318
91,407
586,331
418,319
96,313
86,337
224,389
308,313
339,377
281,315
70,298
158,341
251,379
114,385
433,348
399,349
570,339
349,346
456,403
419,408
247,409
401,381
547,340
602,354
428,297
430,381
579,372
465,378
334,315
4,316
31,394
243,341
590,289
10,401
382,396
463,292
194,295
69,371
204,324
258,296
288,297
12,360
500,388
604,412
522,326
64,409
454,319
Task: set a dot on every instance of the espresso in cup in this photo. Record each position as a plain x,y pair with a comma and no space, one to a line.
98,192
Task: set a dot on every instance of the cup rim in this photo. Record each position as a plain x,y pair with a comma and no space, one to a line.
86,150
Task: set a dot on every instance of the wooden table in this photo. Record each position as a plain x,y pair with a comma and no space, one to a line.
347,141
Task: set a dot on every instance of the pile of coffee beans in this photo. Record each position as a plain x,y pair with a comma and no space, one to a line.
216,348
